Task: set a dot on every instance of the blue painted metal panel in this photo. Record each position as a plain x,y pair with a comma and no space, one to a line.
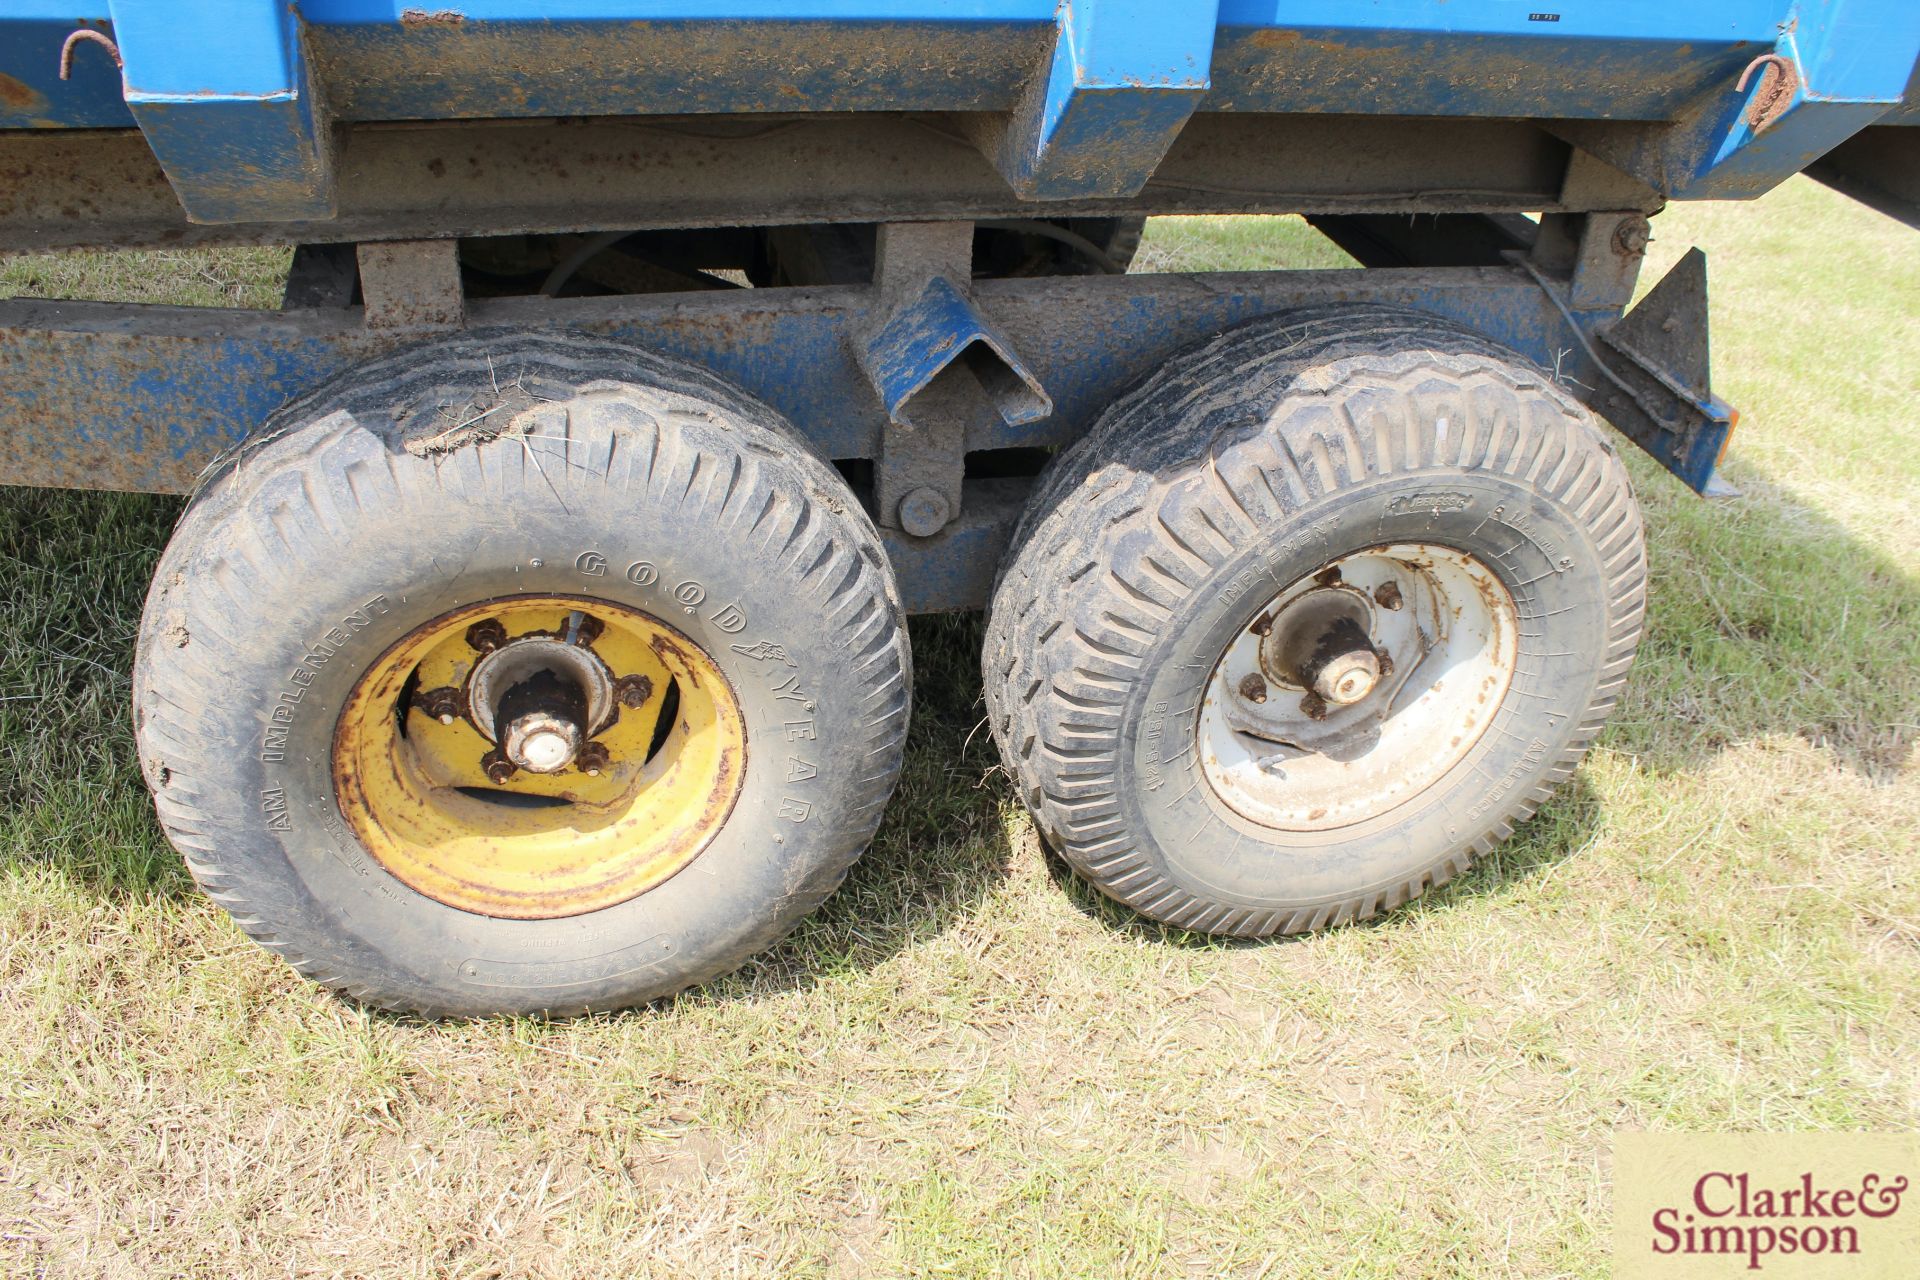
1122,78
1853,59
220,88
225,88
32,95
141,398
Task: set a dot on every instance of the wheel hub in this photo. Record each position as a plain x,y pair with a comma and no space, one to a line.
539,757
1357,687
541,697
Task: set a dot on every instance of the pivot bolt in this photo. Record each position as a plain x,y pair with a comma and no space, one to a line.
924,512
1631,236
486,635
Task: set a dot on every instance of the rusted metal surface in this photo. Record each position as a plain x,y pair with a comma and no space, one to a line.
103,189
100,395
539,802
1780,80
85,35
412,285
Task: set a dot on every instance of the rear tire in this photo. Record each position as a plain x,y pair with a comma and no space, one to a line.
521,477
1238,482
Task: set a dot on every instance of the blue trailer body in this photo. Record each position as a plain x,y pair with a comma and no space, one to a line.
142,122
237,96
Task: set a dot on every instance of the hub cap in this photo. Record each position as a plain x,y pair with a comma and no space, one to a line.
1355,689
539,757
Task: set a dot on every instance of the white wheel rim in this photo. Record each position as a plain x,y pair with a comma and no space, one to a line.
1416,645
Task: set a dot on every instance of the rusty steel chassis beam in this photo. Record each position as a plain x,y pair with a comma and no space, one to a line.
910,373
100,188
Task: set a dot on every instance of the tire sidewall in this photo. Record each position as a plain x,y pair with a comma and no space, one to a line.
1548,563
785,845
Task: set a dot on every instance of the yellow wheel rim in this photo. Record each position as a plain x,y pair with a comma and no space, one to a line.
411,761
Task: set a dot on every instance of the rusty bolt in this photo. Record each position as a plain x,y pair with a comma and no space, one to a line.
584,629
1253,688
498,767
1632,235
1387,595
443,704
593,758
1314,706
486,635
633,691
1262,625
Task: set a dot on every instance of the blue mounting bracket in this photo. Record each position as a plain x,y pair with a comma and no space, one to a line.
926,335
222,90
1838,66
1122,78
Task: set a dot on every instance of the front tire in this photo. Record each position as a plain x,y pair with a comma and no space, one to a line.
351,612
1312,619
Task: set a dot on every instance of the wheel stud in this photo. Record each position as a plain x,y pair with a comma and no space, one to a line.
486,635
633,691
443,704
592,759
1253,688
1387,595
498,768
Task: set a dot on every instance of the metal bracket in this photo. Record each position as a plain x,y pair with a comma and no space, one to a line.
1599,253
1120,82
1822,84
224,94
412,284
941,371
1657,370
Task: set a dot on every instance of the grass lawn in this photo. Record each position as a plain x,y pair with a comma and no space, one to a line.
969,1064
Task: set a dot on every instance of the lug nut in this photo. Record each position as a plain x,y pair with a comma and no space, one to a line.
498,768
592,759
442,704
1253,688
1387,595
486,635
583,628
633,691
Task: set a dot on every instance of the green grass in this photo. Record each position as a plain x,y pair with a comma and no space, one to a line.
969,1064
